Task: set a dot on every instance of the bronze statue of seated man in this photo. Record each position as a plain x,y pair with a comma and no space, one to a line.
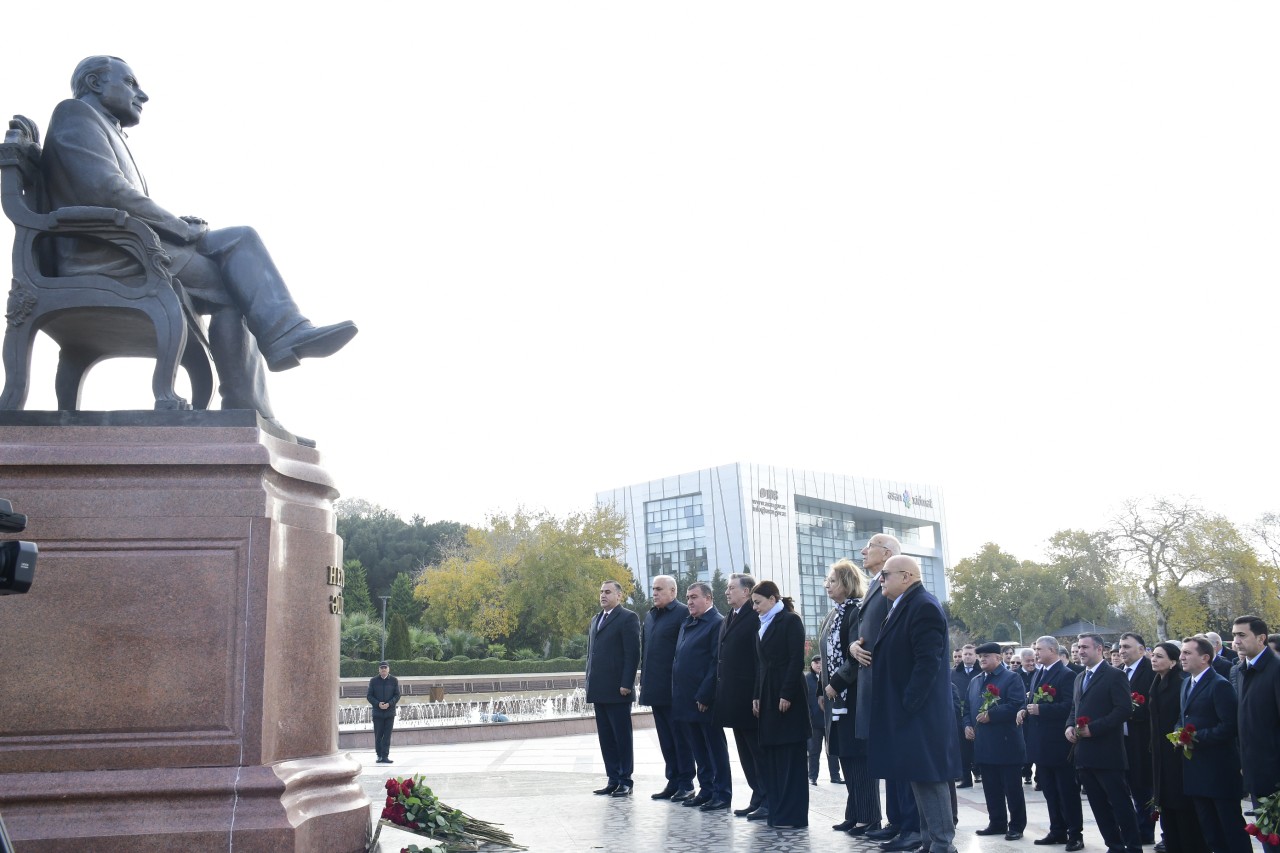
227,272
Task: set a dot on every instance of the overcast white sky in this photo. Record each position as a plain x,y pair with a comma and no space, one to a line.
1026,252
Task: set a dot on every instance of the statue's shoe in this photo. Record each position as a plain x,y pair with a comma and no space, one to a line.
307,341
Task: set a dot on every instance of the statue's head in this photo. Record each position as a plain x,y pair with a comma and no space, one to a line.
109,83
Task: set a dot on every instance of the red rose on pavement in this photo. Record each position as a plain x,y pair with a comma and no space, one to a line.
406,787
393,787
386,813
391,801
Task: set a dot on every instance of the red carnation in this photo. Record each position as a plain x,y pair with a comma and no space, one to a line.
993,690
1082,721
406,787
1252,829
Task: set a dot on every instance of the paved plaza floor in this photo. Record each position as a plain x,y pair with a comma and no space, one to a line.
540,790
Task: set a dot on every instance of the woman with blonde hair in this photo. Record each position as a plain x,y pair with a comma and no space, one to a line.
846,587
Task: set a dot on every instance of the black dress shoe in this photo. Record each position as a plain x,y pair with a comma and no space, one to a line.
813,781
1051,839
1012,835
901,844
681,796
863,829
1160,847
837,781
621,791
743,812
606,790
664,794
889,831
844,826
761,813
992,830
714,806
1075,844
700,800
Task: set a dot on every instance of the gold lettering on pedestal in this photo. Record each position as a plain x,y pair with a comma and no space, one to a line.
338,578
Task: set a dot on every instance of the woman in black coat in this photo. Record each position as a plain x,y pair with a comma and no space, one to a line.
782,707
846,587
1177,814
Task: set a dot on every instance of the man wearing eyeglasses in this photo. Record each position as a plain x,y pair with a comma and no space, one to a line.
903,830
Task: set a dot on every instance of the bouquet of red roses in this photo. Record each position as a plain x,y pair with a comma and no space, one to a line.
1266,823
1138,700
1183,738
990,697
1045,693
414,807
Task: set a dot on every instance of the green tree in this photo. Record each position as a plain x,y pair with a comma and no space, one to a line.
386,545
1178,560
361,636
720,591
527,579
355,589
985,587
402,602
639,601
398,645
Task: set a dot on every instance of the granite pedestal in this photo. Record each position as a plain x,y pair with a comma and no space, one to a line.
170,682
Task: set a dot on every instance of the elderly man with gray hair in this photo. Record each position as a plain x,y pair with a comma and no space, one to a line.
1043,720
657,654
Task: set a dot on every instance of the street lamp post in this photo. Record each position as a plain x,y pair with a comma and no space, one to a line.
384,627
1019,624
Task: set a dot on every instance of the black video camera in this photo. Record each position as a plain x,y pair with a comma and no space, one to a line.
17,558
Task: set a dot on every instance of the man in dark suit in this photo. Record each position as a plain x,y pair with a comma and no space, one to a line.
736,687
613,654
1211,777
693,692
903,829
1101,694
912,714
1257,683
1137,731
383,694
998,747
961,675
1220,663
227,272
658,650
1044,719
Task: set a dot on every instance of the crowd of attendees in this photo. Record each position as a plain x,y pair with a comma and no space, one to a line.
1163,741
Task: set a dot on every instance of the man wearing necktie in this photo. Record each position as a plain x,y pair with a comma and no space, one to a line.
1257,684
964,672
736,687
613,655
1211,777
1102,695
1043,720
1137,732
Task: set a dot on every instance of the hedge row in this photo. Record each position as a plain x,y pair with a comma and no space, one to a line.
487,666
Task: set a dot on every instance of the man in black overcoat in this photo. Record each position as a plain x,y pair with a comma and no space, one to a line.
658,650
998,745
693,690
736,687
613,655
903,829
1211,777
1257,683
383,694
1137,732
1101,693
1044,719
961,675
912,715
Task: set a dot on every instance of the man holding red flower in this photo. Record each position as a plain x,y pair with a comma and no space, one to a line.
990,721
1102,695
1043,720
1211,775
1137,732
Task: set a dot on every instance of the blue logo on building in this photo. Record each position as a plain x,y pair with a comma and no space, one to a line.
906,499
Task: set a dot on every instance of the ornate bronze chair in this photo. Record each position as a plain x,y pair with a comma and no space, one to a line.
90,317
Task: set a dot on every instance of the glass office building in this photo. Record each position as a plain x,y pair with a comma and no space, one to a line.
780,524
